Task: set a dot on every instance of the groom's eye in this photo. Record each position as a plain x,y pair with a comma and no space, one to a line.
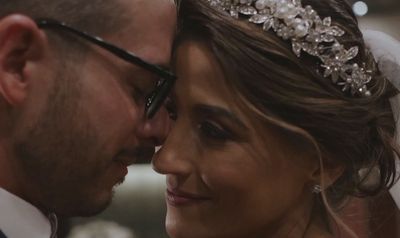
137,94
171,108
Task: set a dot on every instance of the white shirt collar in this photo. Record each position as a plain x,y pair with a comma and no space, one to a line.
19,219
395,191
396,194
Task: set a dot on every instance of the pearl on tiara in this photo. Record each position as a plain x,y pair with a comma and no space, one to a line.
308,33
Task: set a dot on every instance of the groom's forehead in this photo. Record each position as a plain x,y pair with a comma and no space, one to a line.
148,30
149,11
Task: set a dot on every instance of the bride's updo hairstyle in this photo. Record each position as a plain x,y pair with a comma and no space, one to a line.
292,94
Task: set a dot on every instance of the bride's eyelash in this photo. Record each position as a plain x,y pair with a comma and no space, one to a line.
213,131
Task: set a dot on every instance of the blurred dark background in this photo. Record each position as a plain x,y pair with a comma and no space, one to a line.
383,15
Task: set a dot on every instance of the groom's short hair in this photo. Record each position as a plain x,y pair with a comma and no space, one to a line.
95,16
98,17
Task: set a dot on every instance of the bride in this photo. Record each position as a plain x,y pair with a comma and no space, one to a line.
281,113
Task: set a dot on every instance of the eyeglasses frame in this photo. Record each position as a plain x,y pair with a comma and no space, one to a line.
153,101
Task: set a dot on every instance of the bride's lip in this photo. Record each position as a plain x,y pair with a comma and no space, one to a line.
180,198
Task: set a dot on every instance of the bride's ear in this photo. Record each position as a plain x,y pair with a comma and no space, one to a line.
325,175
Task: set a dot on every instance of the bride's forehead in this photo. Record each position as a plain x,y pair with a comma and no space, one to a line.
195,64
196,56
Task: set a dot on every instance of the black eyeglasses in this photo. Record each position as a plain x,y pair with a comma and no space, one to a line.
153,101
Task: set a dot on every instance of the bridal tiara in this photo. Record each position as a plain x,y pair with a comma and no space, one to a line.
308,33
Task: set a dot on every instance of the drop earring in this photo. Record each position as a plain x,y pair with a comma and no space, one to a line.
316,189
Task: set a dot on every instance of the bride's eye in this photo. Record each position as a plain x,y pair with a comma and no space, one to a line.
213,131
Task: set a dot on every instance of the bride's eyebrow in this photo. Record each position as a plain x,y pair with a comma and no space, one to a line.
216,111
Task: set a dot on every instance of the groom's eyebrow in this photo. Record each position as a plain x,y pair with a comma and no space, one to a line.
204,109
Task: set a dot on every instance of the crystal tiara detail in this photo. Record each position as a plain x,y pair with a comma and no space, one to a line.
308,33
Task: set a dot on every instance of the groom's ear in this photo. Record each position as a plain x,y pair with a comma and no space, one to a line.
21,48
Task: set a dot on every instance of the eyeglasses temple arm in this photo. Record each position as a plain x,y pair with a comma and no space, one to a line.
125,55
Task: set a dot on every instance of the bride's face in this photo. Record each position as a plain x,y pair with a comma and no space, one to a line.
227,176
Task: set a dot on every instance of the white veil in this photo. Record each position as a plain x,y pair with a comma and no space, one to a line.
386,51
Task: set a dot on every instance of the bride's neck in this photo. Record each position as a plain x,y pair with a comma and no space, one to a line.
302,221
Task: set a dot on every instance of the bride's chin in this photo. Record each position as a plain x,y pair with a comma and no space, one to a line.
172,231
176,229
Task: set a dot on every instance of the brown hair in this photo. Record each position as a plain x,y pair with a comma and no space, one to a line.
96,17
356,132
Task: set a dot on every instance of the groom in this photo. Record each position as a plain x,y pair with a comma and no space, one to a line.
73,111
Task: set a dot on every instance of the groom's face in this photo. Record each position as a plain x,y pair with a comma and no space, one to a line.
78,135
